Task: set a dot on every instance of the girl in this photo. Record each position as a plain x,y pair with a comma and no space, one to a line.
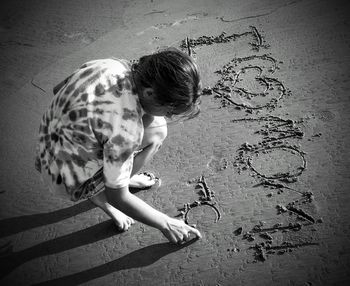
105,122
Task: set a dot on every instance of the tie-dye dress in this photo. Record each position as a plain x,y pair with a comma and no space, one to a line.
92,126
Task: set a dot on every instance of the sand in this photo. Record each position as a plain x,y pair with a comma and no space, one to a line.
271,143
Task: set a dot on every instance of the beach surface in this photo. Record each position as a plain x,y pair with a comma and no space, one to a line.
263,171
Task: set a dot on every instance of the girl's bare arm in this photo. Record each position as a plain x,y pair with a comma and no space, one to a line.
174,230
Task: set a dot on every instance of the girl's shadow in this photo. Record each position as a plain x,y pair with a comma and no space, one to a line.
18,224
136,259
10,260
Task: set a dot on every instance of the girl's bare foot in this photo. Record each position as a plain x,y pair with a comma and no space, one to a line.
121,220
143,180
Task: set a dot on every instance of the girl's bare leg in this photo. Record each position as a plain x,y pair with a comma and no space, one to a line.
122,221
154,135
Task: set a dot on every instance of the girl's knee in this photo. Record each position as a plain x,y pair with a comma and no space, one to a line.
156,132
160,130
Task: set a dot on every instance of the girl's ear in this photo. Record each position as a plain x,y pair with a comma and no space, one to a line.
148,93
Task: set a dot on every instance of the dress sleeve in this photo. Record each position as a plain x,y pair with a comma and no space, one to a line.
118,117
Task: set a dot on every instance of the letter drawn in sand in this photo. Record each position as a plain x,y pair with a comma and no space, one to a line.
206,199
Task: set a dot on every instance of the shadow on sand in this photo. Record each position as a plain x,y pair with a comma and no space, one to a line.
138,258
11,260
18,224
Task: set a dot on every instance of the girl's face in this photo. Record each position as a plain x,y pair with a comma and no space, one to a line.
151,106
172,111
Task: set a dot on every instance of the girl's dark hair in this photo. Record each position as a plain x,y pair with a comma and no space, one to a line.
174,77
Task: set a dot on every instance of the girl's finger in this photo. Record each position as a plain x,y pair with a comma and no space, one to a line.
195,232
170,236
187,237
180,239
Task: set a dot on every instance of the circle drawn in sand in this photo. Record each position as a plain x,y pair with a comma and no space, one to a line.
201,216
277,162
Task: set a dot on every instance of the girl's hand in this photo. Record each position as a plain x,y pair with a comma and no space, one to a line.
176,231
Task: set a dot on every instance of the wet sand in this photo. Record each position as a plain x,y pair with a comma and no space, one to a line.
263,171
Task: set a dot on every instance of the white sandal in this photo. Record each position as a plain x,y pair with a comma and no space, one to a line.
152,177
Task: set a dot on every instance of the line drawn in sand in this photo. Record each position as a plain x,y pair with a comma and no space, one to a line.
276,132
257,43
267,247
228,87
248,83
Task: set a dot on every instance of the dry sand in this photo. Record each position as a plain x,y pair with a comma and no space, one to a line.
274,153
